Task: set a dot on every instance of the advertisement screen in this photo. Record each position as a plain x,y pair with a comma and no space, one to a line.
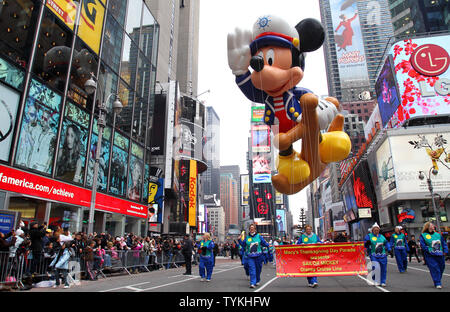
91,23
423,77
262,201
261,139
135,178
73,145
11,75
103,159
119,167
155,194
37,139
362,187
349,43
261,168
281,220
385,175
349,195
414,153
193,193
245,189
258,113
387,92
9,101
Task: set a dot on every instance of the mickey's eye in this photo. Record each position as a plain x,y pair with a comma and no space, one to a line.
261,54
270,57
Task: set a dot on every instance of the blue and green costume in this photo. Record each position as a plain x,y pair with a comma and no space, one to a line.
206,258
377,246
252,245
309,239
434,247
401,248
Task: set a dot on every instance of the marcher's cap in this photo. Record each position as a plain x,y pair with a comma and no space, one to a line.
374,226
272,30
399,227
19,232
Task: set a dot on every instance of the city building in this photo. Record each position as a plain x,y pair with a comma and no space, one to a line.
410,17
229,195
52,122
211,177
216,221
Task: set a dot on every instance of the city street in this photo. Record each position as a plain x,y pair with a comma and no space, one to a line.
229,277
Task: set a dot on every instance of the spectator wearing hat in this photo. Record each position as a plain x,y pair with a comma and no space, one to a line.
377,246
398,240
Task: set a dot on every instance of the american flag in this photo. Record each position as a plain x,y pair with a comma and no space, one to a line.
345,164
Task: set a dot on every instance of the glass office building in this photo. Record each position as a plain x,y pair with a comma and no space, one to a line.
48,128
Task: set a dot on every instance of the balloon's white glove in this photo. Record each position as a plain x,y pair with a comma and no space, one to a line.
326,112
239,55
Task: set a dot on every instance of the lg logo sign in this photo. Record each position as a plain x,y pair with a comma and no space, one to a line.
430,60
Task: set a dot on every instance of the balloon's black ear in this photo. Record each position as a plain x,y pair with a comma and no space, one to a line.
311,33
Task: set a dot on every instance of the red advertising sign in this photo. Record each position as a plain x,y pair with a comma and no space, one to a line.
26,183
117,205
22,182
321,260
430,60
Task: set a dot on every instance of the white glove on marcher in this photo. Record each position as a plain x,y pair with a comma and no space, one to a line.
238,44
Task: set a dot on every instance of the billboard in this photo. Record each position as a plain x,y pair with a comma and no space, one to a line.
421,69
362,187
261,168
193,193
281,220
91,19
262,201
258,113
155,194
245,189
387,91
414,153
261,139
384,175
349,43
9,102
91,23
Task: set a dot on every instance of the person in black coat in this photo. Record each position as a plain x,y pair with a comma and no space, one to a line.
187,253
36,235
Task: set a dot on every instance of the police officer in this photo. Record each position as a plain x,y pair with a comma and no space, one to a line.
434,250
309,238
252,244
398,240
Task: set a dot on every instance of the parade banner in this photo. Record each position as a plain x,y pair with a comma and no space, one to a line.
337,259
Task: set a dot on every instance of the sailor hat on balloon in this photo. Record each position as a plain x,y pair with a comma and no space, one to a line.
272,30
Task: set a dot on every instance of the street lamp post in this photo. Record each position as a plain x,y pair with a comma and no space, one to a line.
90,87
430,188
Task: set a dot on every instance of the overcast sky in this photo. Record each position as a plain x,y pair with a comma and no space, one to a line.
217,19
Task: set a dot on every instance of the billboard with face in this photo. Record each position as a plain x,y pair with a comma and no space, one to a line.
349,43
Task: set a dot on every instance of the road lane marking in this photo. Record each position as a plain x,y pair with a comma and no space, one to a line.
266,284
164,285
372,283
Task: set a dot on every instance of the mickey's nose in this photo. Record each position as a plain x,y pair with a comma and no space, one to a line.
257,63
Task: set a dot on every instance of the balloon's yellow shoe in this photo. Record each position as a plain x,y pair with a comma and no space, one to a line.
295,169
335,146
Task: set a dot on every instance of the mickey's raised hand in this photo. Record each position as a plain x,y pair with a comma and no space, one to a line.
238,44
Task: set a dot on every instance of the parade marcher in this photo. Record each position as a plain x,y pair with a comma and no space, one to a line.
253,244
377,248
309,238
413,248
398,240
434,250
187,253
206,264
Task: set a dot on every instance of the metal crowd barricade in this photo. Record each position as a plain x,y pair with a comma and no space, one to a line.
10,269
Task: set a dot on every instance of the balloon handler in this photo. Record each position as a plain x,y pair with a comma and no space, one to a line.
253,244
276,53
